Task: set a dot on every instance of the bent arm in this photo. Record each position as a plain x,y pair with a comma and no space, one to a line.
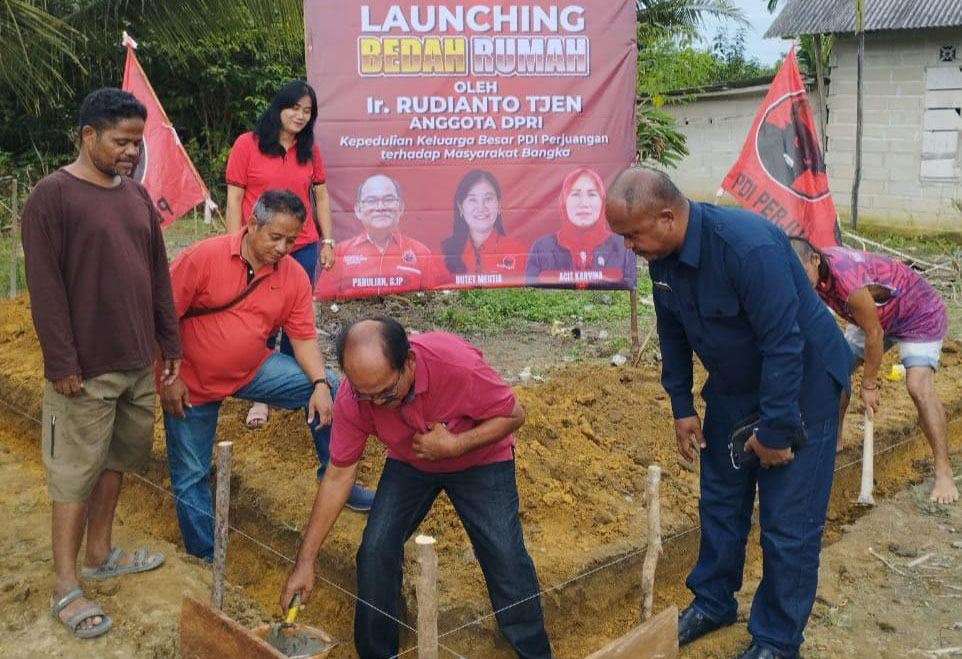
862,305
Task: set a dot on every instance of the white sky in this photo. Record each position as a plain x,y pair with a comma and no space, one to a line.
756,12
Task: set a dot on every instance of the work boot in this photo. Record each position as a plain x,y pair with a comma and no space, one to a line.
756,651
692,624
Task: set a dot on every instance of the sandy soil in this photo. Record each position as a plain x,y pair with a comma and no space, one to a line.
592,431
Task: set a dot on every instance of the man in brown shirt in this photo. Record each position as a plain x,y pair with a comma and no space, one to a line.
102,305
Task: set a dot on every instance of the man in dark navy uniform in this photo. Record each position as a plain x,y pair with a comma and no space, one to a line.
727,288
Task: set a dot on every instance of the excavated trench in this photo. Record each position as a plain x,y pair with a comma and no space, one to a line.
581,460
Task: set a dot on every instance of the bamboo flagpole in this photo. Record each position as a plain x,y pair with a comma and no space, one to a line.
859,97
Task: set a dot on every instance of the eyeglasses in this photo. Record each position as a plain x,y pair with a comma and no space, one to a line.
370,203
384,397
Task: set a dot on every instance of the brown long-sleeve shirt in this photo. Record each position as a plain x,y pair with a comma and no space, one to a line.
98,277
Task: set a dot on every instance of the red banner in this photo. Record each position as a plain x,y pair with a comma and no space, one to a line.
165,168
780,173
470,145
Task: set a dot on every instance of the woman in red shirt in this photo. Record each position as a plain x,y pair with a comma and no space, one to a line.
477,252
280,153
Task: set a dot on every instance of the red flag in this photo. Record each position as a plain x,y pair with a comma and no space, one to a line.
780,173
165,168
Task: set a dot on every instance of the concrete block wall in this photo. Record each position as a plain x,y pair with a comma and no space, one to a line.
894,189
715,127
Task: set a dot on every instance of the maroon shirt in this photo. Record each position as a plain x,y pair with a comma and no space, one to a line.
98,278
452,384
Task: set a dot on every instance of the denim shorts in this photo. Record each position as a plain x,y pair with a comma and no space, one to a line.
911,353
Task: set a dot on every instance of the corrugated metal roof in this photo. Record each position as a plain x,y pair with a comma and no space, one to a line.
833,16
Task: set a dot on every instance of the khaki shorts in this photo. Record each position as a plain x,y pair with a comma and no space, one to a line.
108,425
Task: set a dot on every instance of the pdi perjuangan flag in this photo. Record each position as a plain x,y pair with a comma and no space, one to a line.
780,173
469,145
164,168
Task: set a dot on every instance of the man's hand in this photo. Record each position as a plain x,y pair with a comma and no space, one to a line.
68,386
174,398
299,582
320,407
769,457
170,373
688,436
870,397
327,257
437,444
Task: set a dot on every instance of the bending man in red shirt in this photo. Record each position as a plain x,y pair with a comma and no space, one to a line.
447,420
380,260
230,293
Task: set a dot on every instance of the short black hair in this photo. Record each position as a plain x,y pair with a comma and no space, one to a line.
658,188
278,201
394,341
805,250
105,107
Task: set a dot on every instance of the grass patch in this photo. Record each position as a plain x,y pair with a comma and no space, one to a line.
505,308
5,244
921,244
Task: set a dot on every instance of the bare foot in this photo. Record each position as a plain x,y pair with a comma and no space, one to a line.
75,607
257,416
944,491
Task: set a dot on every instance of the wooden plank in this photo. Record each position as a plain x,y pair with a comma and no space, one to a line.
221,523
427,593
206,633
655,639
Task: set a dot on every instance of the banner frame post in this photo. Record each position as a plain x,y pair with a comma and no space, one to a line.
633,299
14,236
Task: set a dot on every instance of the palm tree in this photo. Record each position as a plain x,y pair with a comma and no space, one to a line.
684,15
40,38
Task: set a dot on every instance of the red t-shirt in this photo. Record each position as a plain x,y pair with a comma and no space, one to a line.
499,261
250,169
452,384
361,269
223,350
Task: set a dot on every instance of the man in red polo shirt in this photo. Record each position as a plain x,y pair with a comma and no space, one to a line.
230,293
380,260
447,420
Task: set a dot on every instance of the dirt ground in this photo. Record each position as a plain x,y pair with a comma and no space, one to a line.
592,431
907,601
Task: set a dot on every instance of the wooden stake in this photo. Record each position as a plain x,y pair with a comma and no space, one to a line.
14,237
653,504
865,497
633,298
221,522
427,592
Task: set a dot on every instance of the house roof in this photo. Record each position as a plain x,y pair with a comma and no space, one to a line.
838,16
731,88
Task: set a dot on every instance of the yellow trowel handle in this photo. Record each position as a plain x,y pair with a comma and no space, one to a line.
292,611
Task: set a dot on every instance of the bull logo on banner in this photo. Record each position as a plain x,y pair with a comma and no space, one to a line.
780,173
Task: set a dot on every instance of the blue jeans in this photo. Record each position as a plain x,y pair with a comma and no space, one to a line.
792,504
486,500
279,382
306,256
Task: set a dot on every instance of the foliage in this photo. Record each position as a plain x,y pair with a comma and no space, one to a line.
656,137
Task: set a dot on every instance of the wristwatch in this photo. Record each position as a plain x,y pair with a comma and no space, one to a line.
327,241
320,381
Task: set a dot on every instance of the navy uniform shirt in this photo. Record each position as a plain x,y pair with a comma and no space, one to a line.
736,295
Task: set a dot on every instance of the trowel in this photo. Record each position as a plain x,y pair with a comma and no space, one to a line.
275,637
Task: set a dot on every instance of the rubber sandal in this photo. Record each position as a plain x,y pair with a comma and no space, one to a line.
110,568
257,416
72,623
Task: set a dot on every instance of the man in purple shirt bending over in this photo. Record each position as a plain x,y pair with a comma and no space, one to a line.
886,303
